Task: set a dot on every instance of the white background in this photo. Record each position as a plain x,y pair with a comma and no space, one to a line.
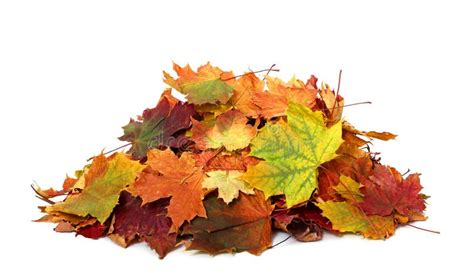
73,72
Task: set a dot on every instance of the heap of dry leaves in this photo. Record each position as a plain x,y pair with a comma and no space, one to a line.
245,155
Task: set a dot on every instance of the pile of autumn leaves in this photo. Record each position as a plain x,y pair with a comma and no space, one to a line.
245,155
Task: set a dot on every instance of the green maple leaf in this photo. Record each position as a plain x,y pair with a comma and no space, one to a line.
293,151
349,189
345,217
208,85
108,179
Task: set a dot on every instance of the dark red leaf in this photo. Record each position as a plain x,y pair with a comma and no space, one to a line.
159,126
94,231
304,223
147,223
386,192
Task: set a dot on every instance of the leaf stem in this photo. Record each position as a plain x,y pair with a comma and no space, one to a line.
339,83
337,92
424,229
268,70
281,242
354,104
111,151
40,196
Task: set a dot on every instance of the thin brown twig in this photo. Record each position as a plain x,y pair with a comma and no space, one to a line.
424,229
45,200
111,151
353,104
40,196
35,189
281,242
268,72
253,72
339,83
337,92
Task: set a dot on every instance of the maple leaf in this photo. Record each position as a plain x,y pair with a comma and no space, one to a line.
88,227
93,231
147,223
101,193
348,188
330,175
229,130
292,154
243,225
386,192
332,104
213,109
158,126
59,217
64,226
246,155
228,184
274,102
371,134
349,218
167,93
213,160
68,184
304,223
245,88
178,178
353,141
208,85
351,146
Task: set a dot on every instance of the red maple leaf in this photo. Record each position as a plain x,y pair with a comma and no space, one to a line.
386,191
159,126
146,223
94,231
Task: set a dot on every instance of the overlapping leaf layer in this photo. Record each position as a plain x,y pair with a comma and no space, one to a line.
242,157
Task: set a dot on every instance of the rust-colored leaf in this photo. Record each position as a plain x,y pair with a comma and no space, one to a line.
178,178
147,223
243,225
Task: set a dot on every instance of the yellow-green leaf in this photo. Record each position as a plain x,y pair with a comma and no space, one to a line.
99,198
343,216
208,85
293,151
349,189
349,218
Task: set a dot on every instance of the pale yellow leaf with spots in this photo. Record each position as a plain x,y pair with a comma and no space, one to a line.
228,183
